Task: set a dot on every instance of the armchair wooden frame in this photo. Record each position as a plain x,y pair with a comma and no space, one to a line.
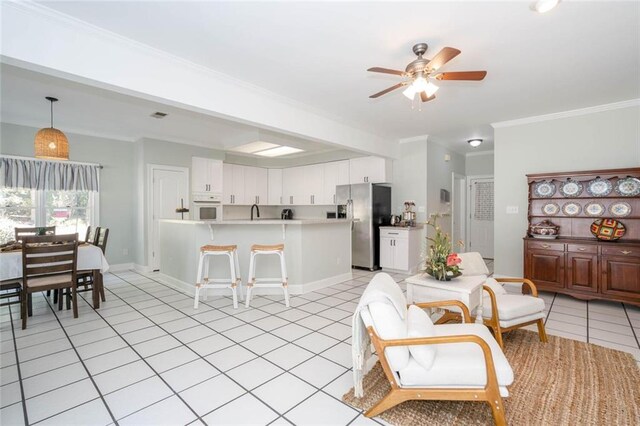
494,322
490,393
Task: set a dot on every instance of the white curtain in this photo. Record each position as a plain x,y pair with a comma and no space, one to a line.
50,175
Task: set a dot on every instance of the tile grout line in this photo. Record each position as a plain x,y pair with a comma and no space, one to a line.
83,365
15,349
587,321
631,325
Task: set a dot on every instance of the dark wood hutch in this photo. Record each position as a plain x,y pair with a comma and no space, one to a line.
577,263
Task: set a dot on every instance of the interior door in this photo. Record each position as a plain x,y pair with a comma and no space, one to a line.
481,216
169,187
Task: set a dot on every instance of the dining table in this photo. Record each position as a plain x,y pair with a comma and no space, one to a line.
90,258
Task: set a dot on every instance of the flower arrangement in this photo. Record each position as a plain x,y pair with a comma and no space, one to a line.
441,263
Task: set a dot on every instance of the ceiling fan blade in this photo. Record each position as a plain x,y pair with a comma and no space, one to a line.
386,71
425,98
443,56
387,90
461,75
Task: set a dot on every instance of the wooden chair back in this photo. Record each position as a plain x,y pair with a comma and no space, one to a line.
102,235
58,256
91,235
22,232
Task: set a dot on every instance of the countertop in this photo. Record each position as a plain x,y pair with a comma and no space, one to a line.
260,222
408,228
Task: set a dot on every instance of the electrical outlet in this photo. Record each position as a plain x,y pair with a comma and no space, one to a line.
512,209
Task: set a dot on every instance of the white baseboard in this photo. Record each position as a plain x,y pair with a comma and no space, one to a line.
293,289
120,267
142,268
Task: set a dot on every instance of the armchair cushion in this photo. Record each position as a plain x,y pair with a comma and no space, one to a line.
495,286
420,325
511,306
459,364
389,325
473,264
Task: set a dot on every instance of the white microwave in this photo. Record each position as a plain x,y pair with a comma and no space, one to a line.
206,206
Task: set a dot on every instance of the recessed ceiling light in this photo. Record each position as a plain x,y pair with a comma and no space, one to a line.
253,147
542,6
277,152
159,114
474,142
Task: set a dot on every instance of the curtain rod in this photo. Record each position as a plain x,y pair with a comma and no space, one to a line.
17,157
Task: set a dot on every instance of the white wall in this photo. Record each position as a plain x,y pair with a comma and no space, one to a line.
599,140
480,163
410,178
117,181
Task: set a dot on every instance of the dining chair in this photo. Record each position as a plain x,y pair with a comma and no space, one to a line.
48,263
92,233
10,290
37,230
85,277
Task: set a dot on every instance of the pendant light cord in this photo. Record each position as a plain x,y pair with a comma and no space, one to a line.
51,114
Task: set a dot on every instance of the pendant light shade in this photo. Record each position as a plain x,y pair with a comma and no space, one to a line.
51,143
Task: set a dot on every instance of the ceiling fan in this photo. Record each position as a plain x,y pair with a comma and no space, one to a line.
422,71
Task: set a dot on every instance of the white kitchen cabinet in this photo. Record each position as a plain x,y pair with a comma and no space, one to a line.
312,190
335,173
370,170
206,175
233,188
255,185
274,178
400,249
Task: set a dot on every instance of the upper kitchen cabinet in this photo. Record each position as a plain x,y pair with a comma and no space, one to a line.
369,170
293,186
255,185
206,175
335,173
274,178
233,189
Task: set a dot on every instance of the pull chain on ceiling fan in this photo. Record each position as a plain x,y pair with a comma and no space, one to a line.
422,71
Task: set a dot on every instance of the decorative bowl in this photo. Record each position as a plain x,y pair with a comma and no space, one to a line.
546,227
607,229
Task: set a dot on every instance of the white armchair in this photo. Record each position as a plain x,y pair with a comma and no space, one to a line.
502,311
423,361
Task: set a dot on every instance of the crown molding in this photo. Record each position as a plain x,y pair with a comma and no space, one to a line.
478,153
565,114
419,138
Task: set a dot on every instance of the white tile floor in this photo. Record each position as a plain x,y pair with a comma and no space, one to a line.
147,357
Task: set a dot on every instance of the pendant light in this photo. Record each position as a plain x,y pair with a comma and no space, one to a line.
51,143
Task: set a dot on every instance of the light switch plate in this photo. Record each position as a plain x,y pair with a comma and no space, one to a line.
512,209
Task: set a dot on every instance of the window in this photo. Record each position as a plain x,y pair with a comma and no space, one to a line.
70,211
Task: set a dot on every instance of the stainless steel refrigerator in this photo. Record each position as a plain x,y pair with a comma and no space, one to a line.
371,206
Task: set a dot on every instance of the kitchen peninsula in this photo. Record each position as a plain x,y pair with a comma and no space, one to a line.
317,251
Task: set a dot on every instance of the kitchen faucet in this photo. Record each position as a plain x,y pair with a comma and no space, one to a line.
257,211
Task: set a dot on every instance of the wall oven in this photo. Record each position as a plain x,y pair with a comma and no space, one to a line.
206,206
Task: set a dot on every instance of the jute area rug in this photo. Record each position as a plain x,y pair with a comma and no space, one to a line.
563,382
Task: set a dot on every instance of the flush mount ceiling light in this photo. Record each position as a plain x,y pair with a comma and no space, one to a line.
474,142
51,143
542,6
253,147
279,151
422,71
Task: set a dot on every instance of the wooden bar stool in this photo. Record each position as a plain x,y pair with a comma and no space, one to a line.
202,279
256,250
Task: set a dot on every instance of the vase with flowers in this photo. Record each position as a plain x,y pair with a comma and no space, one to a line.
441,263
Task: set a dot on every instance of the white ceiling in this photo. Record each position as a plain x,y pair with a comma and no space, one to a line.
580,54
89,110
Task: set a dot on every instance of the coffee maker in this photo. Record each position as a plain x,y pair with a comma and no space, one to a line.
408,215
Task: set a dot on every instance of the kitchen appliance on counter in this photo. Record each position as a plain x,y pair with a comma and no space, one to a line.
371,205
395,220
286,214
206,206
409,216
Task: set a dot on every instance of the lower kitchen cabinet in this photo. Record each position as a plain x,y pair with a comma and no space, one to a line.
400,249
585,268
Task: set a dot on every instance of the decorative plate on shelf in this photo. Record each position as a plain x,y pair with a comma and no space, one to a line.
551,209
571,188
599,187
544,189
594,209
571,208
620,209
607,229
628,187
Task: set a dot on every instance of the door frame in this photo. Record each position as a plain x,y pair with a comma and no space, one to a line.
468,215
455,214
150,200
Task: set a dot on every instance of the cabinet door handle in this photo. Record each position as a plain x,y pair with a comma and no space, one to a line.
291,199
394,233
545,246
257,199
581,248
626,252
334,198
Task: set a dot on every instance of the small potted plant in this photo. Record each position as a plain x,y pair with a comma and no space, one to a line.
441,263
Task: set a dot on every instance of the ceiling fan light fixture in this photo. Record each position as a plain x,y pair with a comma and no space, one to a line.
410,92
420,84
474,142
542,6
431,89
